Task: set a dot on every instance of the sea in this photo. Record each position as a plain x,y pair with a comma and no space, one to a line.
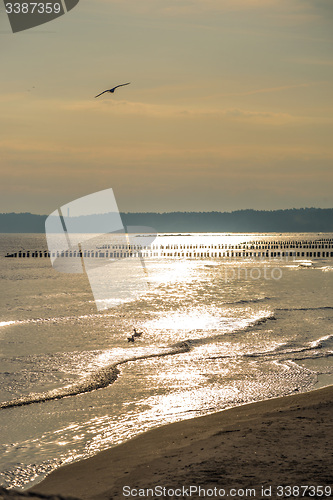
216,333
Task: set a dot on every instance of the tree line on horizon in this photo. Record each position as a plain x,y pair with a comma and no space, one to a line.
244,221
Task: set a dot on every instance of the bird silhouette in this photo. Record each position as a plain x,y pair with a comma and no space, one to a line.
130,339
113,89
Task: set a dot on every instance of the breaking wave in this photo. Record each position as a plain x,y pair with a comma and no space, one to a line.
107,375
100,379
321,308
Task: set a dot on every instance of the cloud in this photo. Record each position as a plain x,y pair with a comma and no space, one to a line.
301,9
315,62
193,179
275,89
164,111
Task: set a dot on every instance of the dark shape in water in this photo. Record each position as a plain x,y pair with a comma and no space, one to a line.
137,334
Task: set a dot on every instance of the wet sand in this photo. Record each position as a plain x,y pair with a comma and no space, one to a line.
285,441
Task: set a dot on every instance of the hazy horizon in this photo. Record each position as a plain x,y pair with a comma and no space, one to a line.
189,211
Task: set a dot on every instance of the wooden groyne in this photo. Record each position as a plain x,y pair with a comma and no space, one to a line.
192,247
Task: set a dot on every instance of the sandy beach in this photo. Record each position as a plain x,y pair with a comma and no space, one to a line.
279,442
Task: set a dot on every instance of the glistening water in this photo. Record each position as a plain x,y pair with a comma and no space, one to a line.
216,333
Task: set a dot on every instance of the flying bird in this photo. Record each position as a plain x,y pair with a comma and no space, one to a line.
113,89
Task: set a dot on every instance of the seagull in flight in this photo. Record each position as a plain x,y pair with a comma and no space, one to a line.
113,89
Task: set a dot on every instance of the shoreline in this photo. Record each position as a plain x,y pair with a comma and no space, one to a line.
281,441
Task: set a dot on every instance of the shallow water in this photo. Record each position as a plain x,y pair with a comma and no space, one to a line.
216,333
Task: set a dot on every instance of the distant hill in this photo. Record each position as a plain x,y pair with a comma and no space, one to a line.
244,221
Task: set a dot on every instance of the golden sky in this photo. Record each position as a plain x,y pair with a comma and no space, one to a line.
229,106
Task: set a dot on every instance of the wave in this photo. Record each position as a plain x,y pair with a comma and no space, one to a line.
288,348
285,350
249,301
262,320
55,319
320,343
64,319
106,376
221,336
305,264
7,323
317,356
100,379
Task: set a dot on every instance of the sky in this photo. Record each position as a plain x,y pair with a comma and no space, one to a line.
230,106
